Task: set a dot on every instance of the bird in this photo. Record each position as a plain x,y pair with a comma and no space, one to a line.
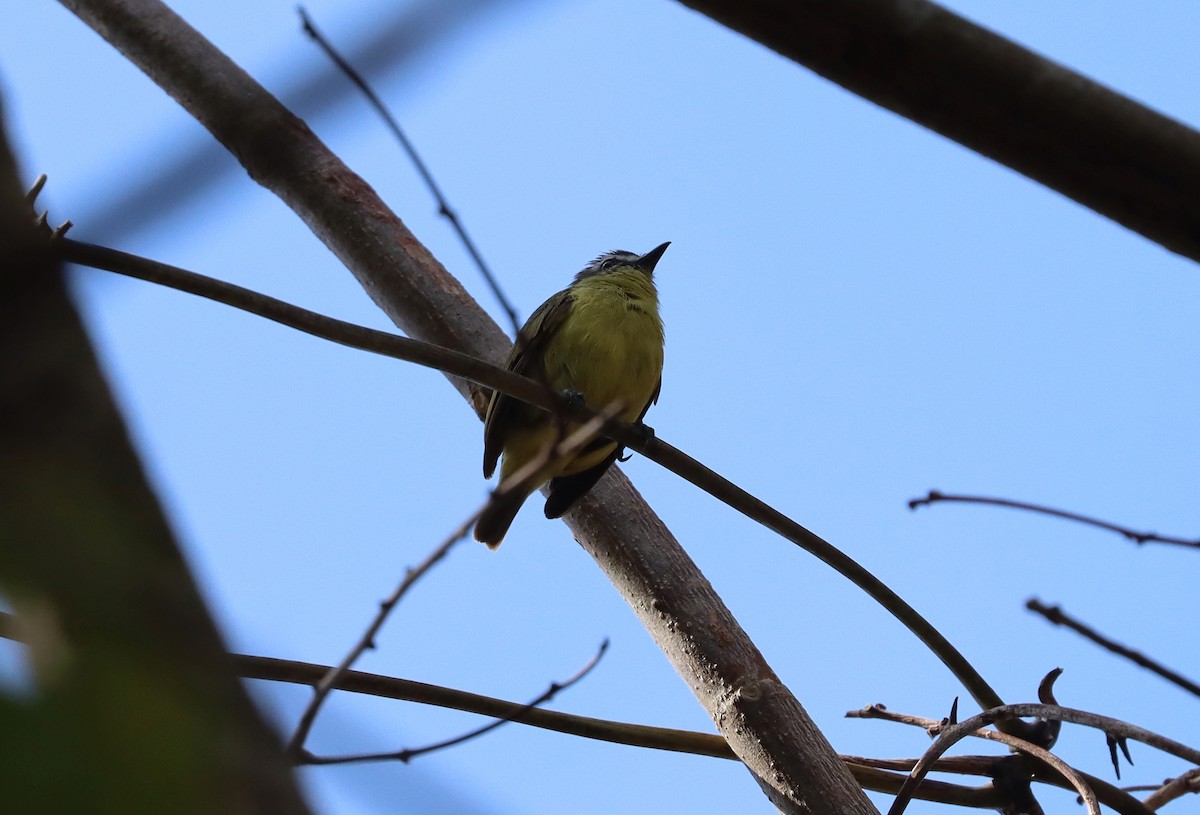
599,340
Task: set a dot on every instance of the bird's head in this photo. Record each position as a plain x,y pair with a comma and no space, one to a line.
620,259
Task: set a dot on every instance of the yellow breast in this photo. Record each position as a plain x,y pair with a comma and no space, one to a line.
611,346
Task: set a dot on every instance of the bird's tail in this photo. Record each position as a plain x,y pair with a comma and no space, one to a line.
497,517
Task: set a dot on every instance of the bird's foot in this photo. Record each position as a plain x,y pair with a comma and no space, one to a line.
645,435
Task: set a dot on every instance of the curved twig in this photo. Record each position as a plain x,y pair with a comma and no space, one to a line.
1107,724
517,481
409,754
295,746
1177,787
1056,615
1109,794
952,734
936,497
444,208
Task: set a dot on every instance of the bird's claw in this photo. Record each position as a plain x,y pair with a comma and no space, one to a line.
645,435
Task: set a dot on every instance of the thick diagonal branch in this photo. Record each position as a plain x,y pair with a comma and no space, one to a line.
1061,129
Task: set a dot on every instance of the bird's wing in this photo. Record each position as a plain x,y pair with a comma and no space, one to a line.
653,398
525,358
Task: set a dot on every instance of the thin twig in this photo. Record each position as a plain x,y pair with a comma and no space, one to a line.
470,368
960,765
519,480
409,754
444,208
317,325
1059,617
1137,537
1109,794
1174,788
407,690
1074,777
878,711
1106,724
953,733
1080,781
1056,615
295,747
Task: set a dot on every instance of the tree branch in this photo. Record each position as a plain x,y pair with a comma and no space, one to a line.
1106,724
1174,788
871,773
936,497
1057,616
760,718
1102,149
519,480
409,753
951,733
1117,799
435,189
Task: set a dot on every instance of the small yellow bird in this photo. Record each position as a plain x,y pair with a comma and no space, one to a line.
601,338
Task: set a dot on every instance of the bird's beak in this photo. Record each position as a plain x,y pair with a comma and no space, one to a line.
648,261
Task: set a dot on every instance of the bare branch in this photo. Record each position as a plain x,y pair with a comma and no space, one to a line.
295,747
878,711
1176,787
1072,134
1076,779
870,773
1056,615
1108,794
408,755
519,481
457,364
1106,724
444,208
867,772
935,497
1113,728
407,690
953,733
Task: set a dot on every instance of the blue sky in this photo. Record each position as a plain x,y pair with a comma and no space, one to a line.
857,311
